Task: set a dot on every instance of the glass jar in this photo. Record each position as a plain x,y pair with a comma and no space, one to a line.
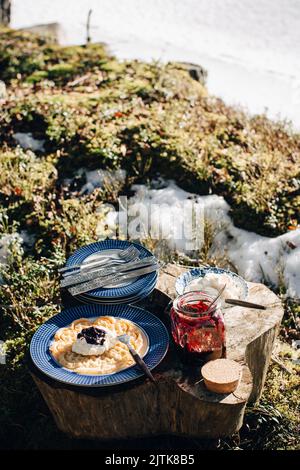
198,335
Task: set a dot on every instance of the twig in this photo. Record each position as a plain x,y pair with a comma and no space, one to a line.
297,327
88,27
29,307
281,365
78,80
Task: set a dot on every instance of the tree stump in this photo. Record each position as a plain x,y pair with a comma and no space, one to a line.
179,404
51,31
250,333
5,11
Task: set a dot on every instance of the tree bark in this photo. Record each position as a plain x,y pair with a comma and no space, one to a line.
5,10
174,406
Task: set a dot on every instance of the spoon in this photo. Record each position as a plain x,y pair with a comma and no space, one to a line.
243,303
192,314
215,299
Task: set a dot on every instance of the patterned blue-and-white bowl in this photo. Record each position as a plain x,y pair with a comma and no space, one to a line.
184,279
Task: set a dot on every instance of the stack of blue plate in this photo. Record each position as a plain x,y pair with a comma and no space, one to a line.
124,293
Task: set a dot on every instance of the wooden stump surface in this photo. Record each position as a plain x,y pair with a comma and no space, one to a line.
250,333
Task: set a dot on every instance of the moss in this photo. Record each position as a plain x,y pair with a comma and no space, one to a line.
150,118
275,421
37,76
25,176
24,54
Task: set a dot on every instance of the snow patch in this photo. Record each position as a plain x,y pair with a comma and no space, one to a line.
5,243
99,178
28,142
257,258
250,49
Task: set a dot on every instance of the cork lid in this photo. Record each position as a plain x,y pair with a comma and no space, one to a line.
221,371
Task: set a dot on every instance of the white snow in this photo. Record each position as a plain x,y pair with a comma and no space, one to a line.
99,178
5,243
28,142
250,48
163,213
257,258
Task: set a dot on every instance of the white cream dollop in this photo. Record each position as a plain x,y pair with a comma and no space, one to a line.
212,284
86,349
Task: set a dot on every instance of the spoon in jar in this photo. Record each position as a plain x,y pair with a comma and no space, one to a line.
215,299
209,309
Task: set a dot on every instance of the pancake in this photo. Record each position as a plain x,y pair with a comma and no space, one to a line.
111,361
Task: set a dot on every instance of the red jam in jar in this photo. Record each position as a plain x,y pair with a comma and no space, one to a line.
198,335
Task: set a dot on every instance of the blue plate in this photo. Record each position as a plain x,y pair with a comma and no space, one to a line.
136,286
127,300
153,327
118,300
184,279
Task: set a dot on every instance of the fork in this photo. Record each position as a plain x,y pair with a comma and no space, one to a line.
137,358
99,272
112,278
125,255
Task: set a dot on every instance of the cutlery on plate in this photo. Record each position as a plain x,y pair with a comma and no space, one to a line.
111,278
243,303
133,274
137,358
74,279
107,264
124,255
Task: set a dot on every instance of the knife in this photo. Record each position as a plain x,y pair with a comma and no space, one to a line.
103,272
101,282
